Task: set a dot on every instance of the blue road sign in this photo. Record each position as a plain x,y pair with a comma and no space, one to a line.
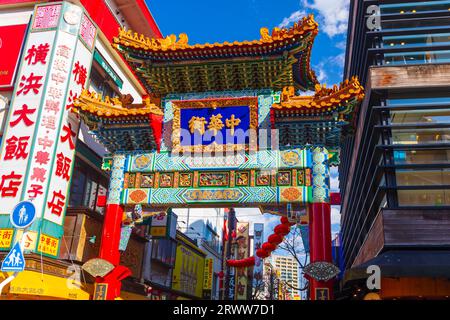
23,214
15,260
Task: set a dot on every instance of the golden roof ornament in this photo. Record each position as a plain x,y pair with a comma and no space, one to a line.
94,103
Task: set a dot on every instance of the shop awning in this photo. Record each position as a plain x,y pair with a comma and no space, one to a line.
45,286
405,263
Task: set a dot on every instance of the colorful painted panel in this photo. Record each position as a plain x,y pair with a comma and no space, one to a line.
214,179
177,197
263,159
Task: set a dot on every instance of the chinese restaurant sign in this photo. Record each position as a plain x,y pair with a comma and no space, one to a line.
243,252
11,41
37,153
189,270
208,278
259,263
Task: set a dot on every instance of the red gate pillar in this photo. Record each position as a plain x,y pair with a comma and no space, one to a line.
109,247
320,247
319,211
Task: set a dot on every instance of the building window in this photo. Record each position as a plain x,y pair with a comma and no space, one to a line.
101,82
422,157
164,250
417,57
87,185
416,177
415,7
432,116
419,136
424,197
418,40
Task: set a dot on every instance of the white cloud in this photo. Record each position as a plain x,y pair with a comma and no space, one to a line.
341,45
332,15
321,73
294,17
333,64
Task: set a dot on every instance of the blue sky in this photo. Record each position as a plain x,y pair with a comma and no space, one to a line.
237,20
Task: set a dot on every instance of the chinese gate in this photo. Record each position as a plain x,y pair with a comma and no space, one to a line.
222,126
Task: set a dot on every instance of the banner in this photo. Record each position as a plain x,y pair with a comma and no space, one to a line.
243,252
208,278
258,269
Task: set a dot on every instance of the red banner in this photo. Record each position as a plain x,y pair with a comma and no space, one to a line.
11,40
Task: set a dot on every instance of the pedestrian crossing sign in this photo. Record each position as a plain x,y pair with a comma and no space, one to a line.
15,260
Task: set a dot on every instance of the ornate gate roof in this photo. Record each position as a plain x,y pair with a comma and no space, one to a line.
170,65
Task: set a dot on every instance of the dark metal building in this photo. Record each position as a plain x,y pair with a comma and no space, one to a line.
395,169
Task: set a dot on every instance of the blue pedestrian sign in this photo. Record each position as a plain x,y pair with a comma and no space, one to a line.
15,260
23,214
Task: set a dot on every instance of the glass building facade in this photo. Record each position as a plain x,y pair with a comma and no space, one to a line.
399,158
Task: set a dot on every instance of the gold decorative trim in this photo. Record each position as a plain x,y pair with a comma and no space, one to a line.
129,38
324,98
95,103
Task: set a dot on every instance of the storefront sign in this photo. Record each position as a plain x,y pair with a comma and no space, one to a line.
11,41
29,239
259,263
6,236
208,275
322,294
108,69
100,291
163,225
48,245
188,271
38,148
243,251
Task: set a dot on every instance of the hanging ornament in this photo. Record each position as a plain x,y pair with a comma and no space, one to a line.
282,229
275,239
269,247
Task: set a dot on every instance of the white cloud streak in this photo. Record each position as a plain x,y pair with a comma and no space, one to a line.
332,15
294,17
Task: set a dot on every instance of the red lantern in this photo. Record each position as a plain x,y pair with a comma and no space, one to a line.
282,229
275,239
262,253
284,220
269,247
